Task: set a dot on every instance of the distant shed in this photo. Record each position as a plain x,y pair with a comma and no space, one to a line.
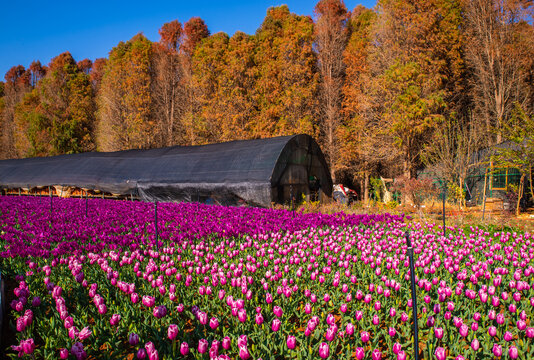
256,172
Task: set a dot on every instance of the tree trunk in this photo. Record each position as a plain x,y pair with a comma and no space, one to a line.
366,187
531,185
520,194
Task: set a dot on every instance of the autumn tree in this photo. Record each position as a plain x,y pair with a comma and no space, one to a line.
85,66
355,133
37,72
331,35
59,112
124,98
208,66
495,55
223,74
168,87
416,49
195,29
238,86
287,80
18,83
97,72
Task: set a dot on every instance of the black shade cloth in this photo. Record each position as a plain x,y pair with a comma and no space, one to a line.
256,172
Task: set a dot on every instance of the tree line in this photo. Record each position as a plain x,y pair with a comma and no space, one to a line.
386,90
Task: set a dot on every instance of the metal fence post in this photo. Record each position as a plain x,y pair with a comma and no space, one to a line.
414,296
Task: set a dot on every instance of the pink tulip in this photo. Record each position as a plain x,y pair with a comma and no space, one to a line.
365,336
324,350
84,333
184,348
172,331
226,343
214,323
243,352
349,329
440,353
359,353
115,318
202,346
475,344
514,354
497,350
291,342
276,325
508,336
148,301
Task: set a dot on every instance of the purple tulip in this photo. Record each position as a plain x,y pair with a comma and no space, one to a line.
141,353
133,339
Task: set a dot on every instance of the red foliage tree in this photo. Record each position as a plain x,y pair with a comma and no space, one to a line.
195,29
171,34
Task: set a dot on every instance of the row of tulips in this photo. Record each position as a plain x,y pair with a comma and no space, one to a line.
335,288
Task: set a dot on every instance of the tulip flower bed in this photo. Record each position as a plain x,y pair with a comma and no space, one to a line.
239,283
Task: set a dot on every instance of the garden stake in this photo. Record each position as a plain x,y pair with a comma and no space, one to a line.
444,190
156,221
414,298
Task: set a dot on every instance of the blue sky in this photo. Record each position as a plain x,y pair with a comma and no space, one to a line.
39,30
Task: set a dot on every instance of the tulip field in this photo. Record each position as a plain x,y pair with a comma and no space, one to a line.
247,283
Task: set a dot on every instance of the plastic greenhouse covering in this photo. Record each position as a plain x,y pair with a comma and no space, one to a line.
257,172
